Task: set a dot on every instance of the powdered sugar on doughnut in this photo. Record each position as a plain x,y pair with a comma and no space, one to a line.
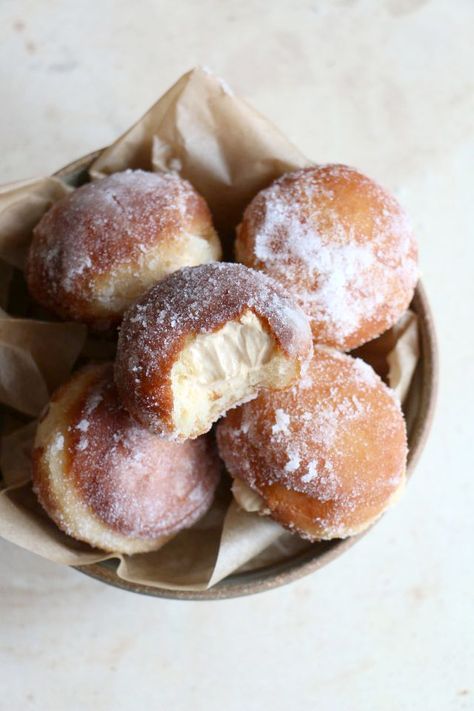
282,420
342,443
192,301
139,485
129,207
199,299
340,243
113,230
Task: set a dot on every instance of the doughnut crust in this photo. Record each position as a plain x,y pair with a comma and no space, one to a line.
340,244
101,247
326,457
203,340
107,481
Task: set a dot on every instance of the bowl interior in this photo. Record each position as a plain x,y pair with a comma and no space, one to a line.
418,410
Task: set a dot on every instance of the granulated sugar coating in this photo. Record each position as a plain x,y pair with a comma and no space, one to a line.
106,480
328,455
340,243
195,302
103,245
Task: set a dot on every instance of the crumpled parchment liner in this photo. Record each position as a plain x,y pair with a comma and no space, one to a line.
21,206
229,152
35,358
217,141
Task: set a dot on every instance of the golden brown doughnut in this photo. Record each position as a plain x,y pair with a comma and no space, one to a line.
101,247
327,456
203,340
340,244
109,482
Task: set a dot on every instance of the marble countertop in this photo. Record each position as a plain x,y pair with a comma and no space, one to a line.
385,85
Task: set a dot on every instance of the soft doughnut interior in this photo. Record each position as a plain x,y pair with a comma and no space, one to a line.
220,370
117,289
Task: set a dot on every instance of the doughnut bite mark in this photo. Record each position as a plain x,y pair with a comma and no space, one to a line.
107,481
324,458
340,244
101,247
204,340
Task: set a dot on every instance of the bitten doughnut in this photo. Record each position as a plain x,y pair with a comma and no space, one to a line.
326,457
109,482
340,244
203,340
102,246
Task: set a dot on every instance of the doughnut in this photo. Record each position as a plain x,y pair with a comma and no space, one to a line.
324,458
102,246
107,481
203,340
340,244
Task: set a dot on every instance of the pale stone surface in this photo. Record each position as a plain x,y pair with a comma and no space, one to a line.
385,85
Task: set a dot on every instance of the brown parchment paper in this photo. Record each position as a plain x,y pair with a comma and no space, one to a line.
229,152
212,138
21,206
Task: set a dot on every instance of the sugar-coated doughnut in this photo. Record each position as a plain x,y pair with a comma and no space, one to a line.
102,246
203,340
340,244
326,457
109,482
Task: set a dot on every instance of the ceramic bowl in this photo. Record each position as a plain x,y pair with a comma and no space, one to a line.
418,408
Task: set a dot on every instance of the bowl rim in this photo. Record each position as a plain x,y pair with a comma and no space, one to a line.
306,562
